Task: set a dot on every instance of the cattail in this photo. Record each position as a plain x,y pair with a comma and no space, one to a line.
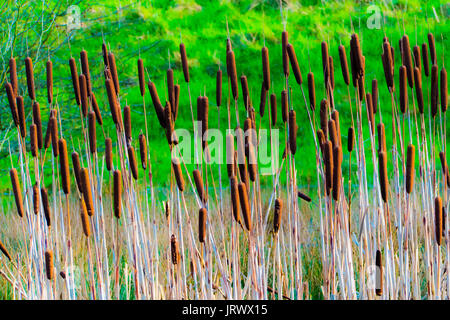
303,196
361,88
175,253
350,139
293,131
333,132
265,67
178,174
325,63
231,67
335,117
35,198
374,95
243,198
64,165
277,213
219,88
416,54
245,92
184,62
49,78
263,98
167,209
381,137
37,121
410,161
252,167
84,218
98,115
230,155
133,162
117,193
438,219
328,155
30,78
87,193
48,133
294,64
46,206
169,123
370,113
202,225
5,251
170,87
54,136
426,64
324,116
92,132
113,104
108,153
21,114
84,95
143,150
403,89
127,122
235,198
434,90
199,185
418,87
273,108
85,69
284,54
444,90
379,274
75,80
382,172
157,104
284,105
407,61
76,168
13,75
12,103
49,264
344,65
311,91
113,70
337,173
358,58
17,191
432,46
33,141
141,76
387,60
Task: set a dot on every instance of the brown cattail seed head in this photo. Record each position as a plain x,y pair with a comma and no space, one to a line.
84,95
284,105
175,253
417,57
418,87
265,67
85,69
108,153
48,132
263,99
157,104
117,193
407,60
133,162
434,90
388,63
230,155
235,198
303,196
202,224
178,174
127,123
410,161
33,141
13,75
293,132
87,192
245,92
199,185
311,91
379,274
284,54
143,150
381,137
273,108
337,173
444,90
350,139
252,163
92,132
5,251
17,191
64,165
438,219
37,121
112,98
113,69
277,213
344,64
374,95
325,63
141,76
425,61
432,46
382,173
370,114
231,67
30,78
333,133
49,78
294,63
184,62
75,80
54,136
96,109
84,218
328,155
36,198
21,116
46,206
76,168
49,268
243,198
12,102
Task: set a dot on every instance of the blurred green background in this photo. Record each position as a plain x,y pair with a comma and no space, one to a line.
152,30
